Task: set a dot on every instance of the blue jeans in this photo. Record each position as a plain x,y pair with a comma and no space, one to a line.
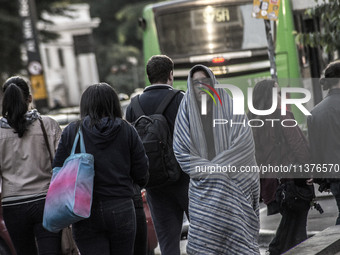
335,189
111,229
24,225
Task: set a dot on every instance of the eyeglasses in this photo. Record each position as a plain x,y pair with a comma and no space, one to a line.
202,81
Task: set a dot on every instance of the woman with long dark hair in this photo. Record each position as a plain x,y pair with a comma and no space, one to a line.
119,161
25,167
277,145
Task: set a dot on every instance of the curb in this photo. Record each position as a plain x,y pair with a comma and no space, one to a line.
267,235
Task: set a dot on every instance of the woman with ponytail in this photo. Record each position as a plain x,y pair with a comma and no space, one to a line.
25,168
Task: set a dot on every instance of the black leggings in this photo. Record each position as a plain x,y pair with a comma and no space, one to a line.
24,225
292,229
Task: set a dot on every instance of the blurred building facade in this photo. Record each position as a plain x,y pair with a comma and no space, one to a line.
69,61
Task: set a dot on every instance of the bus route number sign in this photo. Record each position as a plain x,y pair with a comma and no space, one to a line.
216,15
266,9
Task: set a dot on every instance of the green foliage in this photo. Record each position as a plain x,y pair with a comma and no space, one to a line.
117,38
10,39
129,31
106,10
329,37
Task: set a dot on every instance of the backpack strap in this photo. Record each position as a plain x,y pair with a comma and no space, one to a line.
136,107
166,101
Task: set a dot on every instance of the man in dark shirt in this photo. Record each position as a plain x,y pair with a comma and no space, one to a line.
323,130
167,204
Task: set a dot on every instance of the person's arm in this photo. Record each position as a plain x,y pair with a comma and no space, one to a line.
327,138
184,153
299,147
172,110
313,141
296,140
63,149
139,160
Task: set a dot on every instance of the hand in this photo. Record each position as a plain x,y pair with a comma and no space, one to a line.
309,181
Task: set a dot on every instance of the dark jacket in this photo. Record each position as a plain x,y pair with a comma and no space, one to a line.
119,156
149,100
324,129
293,150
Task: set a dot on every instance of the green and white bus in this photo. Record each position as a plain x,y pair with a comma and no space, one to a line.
223,35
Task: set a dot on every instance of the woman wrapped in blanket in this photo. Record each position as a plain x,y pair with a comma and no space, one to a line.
223,201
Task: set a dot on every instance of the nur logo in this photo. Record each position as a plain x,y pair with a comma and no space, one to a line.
204,96
239,99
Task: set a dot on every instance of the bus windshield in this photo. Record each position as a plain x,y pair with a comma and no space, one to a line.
209,29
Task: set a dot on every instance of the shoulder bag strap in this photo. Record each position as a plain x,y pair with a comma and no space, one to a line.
166,101
75,142
82,144
46,139
79,135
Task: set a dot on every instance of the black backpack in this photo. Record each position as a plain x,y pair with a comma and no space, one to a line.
155,134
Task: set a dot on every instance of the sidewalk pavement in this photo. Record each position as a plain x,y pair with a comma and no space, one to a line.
183,245
316,222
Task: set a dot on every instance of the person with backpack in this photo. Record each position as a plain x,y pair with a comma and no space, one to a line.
224,204
153,114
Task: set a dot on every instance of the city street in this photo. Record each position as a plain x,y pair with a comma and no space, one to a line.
222,87
316,221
